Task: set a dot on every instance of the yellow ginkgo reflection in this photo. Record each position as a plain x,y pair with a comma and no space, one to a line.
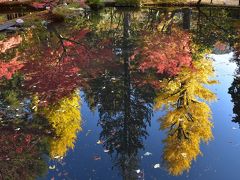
188,115
65,118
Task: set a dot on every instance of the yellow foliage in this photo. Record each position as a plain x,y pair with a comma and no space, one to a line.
65,119
188,116
189,84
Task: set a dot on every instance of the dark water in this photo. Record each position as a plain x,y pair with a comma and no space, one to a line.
122,94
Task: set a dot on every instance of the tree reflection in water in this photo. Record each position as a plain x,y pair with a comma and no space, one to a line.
235,87
125,109
125,62
187,116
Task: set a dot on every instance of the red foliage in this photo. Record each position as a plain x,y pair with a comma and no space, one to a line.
220,46
166,53
44,3
20,153
237,44
15,141
82,3
52,77
49,79
7,69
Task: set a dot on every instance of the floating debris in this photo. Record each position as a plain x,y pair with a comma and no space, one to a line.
184,155
138,171
156,166
57,157
99,142
52,167
147,154
106,150
88,132
97,158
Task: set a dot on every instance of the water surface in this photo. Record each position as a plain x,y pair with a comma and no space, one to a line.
122,94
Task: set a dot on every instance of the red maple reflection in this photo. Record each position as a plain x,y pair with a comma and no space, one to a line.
166,53
20,154
8,69
58,72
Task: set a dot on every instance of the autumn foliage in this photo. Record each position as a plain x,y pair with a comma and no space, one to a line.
57,72
7,69
65,119
188,115
20,156
166,53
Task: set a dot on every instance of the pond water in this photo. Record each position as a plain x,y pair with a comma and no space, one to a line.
122,94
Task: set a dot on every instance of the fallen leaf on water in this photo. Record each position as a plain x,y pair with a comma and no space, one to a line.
96,158
184,154
156,166
106,150
52,167
57,157
99,142
147,154
88,132
138,171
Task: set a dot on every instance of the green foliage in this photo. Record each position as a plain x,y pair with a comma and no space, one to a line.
2,36
10,90
11,97
95,2
128,2
68,10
